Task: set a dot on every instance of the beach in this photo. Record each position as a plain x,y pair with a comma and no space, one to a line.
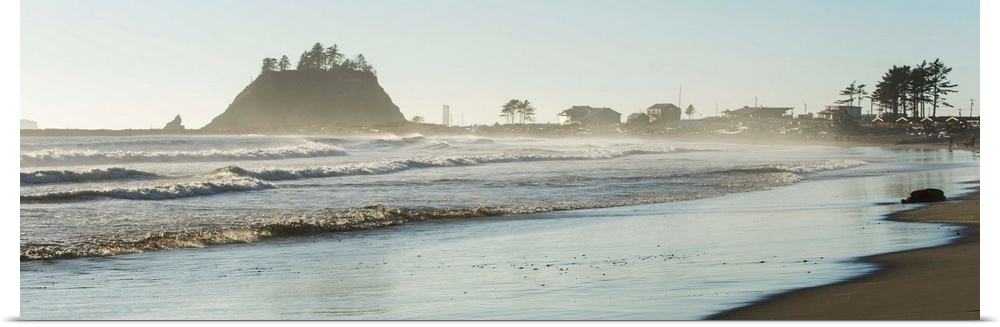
580,230
937,283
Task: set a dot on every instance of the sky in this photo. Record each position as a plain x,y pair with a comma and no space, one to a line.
135,64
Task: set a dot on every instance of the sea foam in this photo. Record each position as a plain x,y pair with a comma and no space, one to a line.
215,184
394,166
284,224
96,174
57,157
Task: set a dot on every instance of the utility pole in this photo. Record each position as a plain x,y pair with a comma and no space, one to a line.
755,102
679,86
971,102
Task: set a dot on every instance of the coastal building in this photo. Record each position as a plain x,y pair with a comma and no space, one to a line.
663,113
587,115
637,118
757,112
831,111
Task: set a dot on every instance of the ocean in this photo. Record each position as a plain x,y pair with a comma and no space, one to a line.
411,227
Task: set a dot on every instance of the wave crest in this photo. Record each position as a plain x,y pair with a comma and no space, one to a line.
301,224
96,174
219,184
394,166
801,168
55,157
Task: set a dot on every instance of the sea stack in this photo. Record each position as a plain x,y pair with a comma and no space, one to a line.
291,98
174,125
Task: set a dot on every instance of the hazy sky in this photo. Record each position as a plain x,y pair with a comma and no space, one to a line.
137,63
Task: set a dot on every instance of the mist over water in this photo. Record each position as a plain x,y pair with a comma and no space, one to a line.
199,191
214,193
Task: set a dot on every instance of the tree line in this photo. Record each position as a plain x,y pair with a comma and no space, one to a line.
515,109
906,90
319,58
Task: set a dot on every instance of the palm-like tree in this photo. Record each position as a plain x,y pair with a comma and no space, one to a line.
526,110
518,110
510,110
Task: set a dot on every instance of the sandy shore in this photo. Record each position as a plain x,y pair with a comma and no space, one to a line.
937,283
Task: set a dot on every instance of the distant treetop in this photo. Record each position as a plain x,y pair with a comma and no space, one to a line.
319,58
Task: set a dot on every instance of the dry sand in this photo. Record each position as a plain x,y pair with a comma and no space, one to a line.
937,283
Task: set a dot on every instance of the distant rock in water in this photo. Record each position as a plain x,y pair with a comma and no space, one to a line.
174,125
28,124
278,99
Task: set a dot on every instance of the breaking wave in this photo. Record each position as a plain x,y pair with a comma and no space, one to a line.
768,176
393,142
53,157
298,223
302,222
96,174
238,179
801,168
394,166
216,185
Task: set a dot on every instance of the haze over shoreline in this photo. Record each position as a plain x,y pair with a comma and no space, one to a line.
710,54
121,68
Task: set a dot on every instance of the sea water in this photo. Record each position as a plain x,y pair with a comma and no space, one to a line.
453,228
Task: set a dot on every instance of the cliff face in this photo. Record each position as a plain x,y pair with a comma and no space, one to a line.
308,97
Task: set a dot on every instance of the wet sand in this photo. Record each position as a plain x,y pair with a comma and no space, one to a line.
937,283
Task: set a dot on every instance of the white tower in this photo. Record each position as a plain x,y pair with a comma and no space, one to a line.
446,117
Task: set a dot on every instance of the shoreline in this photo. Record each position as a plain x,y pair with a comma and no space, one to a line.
883,141
901,293
932,283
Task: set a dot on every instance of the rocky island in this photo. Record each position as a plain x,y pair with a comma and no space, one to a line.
324,89
280,99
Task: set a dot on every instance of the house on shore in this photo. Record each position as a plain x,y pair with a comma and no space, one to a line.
637,118
831,111
663,113
757,112
587,115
